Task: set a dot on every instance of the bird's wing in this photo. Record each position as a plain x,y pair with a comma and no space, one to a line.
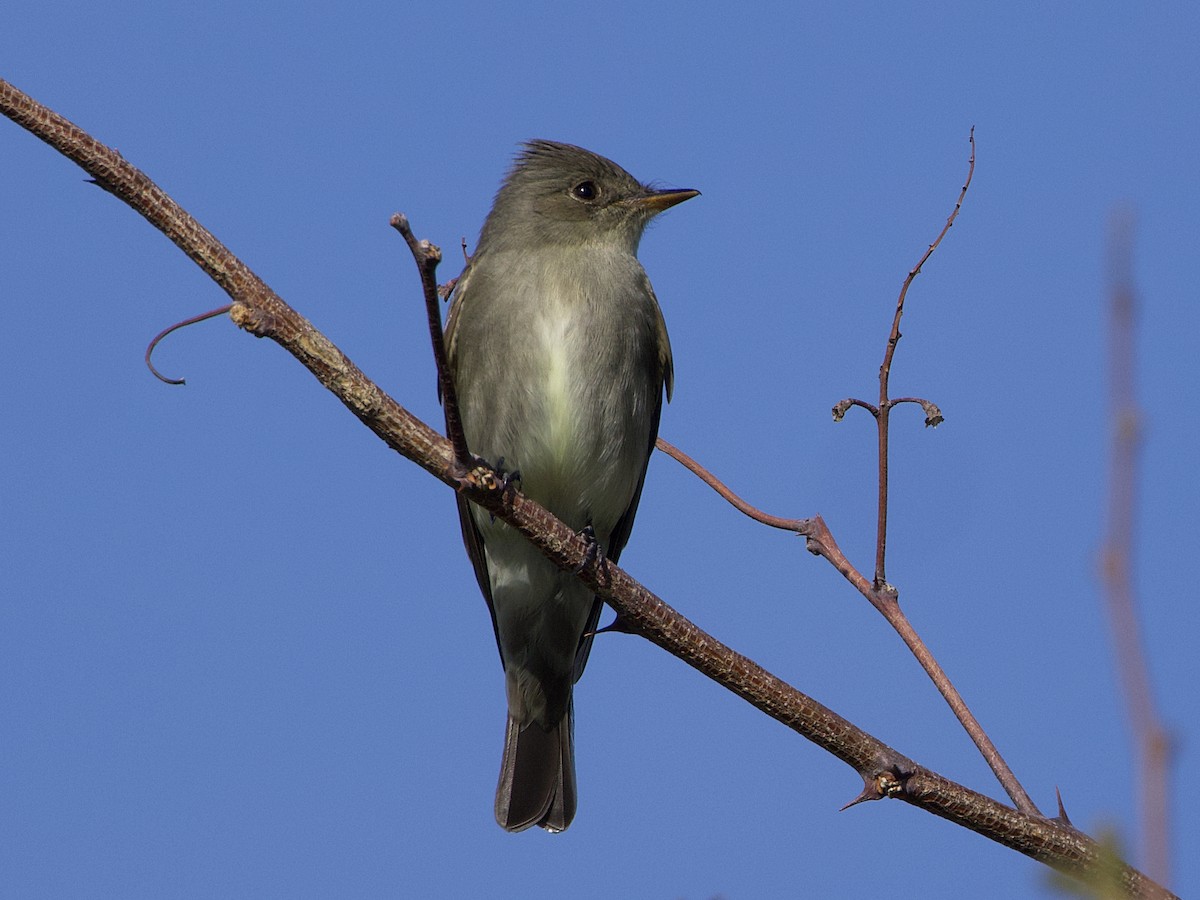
620,533
666,362
472,539
664,381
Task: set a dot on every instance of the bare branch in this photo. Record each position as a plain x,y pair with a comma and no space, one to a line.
882,595
259,310
885,371
885,599
427,257
933,415
799,526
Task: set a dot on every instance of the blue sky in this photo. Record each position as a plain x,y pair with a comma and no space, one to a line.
241,648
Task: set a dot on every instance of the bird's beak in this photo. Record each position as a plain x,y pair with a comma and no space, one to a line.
657,201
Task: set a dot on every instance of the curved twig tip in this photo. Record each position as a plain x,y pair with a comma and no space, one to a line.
933,414
799,526
162,334
843,406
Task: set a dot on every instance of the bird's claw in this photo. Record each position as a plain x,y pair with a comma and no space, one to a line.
593,552
493,478
507,479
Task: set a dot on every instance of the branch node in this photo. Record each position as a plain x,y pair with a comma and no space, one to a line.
798,526
253,320
878,785
888,593
431,252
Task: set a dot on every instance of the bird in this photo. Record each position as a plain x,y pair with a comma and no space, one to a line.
560,360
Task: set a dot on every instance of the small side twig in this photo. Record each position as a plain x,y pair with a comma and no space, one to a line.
212,313
933,415
821,542
427,256
885,371
799,526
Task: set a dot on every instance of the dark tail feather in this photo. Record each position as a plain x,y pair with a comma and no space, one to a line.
537,777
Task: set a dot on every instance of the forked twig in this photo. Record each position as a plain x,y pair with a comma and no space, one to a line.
885,371
883,596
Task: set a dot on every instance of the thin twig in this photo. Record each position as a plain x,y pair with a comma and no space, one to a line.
843,406
885,371
220,310
883,596
799,526
427,256
1152,744
822,543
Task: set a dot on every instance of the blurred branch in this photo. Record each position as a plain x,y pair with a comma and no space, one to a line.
1152,744
257,309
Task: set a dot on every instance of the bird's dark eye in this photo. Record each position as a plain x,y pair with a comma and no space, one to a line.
585,190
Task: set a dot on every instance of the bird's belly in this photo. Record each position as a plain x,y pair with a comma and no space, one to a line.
588,424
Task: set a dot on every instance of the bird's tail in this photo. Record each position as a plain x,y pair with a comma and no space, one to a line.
537,776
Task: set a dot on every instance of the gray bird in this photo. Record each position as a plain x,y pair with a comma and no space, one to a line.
559,356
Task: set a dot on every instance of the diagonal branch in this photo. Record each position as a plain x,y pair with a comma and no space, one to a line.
884,596
427,257
257,309
886,601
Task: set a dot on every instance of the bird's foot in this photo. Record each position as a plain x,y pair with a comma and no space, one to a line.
507,479
493,478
